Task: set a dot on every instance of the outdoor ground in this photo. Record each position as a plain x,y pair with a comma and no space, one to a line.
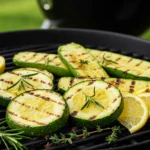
26,14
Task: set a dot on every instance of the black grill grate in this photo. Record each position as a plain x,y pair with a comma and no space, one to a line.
97,141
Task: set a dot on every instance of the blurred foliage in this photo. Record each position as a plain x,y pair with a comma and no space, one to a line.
146,34
19,15
26,14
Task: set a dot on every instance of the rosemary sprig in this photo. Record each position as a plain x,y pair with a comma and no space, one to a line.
83,62
108,60
62,138
21,82
47,61
89,100
11,137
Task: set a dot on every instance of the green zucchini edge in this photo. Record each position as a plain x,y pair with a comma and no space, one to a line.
58,71
121,74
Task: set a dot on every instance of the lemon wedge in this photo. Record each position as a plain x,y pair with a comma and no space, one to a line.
2,64
135,113
146,98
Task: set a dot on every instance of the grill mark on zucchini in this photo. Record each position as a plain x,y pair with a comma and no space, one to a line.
14,73
103,78
71,81
92,118
129,60
114,100
147,90
34,55
68,97
45,98
28,106
118,58
109,86
74,113
92,82
118,81
31,78
46,55
79,90
6,81
125,72
24,118
138,64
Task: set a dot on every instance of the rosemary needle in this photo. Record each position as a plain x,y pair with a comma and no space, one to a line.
89,100
108,60
21,82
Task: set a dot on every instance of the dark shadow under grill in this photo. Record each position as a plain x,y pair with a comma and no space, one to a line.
95,141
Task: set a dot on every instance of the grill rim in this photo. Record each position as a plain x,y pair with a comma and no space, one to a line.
82,36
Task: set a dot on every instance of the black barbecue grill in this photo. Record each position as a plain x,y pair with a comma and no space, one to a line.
48,41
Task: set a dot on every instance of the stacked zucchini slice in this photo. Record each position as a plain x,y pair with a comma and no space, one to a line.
92,94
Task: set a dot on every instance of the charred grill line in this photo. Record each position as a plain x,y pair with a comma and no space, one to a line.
24,118
45,98
6,81
28,60
42,58
31,107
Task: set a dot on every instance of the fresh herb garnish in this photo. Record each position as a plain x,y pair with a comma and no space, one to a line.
47,61
22,82
83,62
108,60
89,100
11,137
62,138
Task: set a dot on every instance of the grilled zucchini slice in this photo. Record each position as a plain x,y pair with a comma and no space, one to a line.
93,103
124,85
49,62
17,81
122,66
80,62
37,112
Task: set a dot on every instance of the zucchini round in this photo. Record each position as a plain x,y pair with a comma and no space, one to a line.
37,112
17,81
93,103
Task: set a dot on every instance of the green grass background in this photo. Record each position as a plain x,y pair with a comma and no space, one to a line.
20,15
26,14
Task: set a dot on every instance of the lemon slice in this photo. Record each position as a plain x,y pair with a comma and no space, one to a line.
146,98
142,90
2,64
135,113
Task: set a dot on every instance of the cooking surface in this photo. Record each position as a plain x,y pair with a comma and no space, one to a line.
41,41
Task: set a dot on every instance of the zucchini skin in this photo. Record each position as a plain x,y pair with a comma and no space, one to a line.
121,74
40,130
4,101
74,71
43,130
102,122
58,71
